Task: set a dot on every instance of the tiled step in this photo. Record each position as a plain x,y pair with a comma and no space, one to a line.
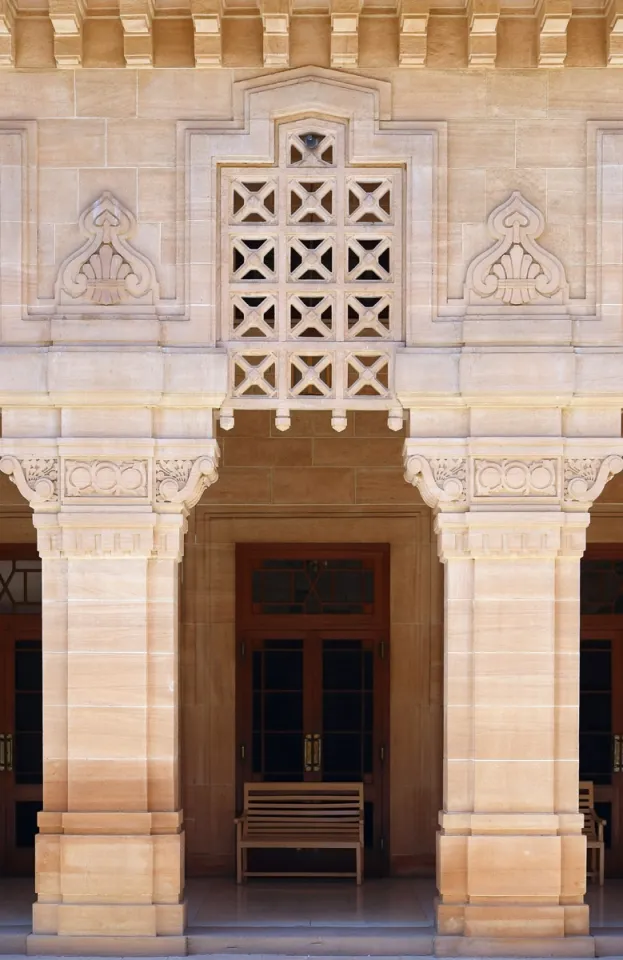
308,941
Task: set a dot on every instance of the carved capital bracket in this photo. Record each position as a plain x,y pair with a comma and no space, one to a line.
36,478
585,478
180,482
442,481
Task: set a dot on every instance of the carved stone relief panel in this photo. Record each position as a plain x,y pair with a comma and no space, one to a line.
516,271
107,272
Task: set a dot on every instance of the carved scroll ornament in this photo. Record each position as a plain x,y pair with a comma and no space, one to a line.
439,480
585,479
516,270
36,478
183,481
107,272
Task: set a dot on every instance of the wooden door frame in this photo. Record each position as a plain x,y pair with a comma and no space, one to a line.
249,624
608,626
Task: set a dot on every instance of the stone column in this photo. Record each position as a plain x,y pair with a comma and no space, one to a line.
110,851
511,857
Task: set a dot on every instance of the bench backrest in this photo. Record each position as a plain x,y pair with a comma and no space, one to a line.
287,809
587,806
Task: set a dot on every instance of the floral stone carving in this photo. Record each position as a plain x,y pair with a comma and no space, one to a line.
183,481
107,271
441,481
516,270
36,478
585,479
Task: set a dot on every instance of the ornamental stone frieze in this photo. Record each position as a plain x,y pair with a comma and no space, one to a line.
454,484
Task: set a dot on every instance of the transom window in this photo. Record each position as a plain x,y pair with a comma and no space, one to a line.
311,275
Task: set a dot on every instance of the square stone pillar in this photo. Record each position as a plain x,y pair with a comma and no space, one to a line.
511,856
110,849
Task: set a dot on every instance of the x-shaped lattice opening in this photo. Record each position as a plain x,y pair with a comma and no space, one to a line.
311,201
254,375
253,201
369,259
311,375
369,201
311,316
367,375
253,259
311,259
253,316
368,316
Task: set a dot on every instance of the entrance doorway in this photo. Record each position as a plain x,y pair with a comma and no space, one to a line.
313,679
21,764
601,691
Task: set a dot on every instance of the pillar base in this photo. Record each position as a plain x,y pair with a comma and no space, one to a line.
49,945
514,946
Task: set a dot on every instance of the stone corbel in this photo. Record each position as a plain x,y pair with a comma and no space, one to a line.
36,478
442,481
614,20
553,18
67,17
276,30
585,478
345,32
179,482
413,17
207,23
138,39
482,18
7,33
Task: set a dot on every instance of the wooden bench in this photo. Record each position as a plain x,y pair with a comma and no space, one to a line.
593,831
300,816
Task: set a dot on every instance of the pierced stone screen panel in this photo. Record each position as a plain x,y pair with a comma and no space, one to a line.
311,271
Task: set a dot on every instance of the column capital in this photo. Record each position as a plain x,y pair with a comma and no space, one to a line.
518,474
511,535
78,475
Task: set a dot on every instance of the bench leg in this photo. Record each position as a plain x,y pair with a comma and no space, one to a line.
238,863
602,864
358,853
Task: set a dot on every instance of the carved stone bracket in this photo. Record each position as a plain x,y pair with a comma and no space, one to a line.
585,479
183,481
36,478
516,271
441,481
106,272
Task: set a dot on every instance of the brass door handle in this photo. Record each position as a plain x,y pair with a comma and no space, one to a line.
307,753
617,753
9,751
2,753
317,763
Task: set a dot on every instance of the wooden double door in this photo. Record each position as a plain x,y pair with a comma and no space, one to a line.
21,738
312,680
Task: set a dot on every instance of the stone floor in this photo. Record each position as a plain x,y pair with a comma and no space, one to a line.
307,918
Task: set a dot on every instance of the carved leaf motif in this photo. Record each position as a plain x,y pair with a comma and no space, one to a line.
586,478
36,478
183,481
107,271
516,270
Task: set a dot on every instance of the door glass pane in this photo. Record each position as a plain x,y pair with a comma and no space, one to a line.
28,723
347,710
316,586
596,711
20,586
26,822
278,710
